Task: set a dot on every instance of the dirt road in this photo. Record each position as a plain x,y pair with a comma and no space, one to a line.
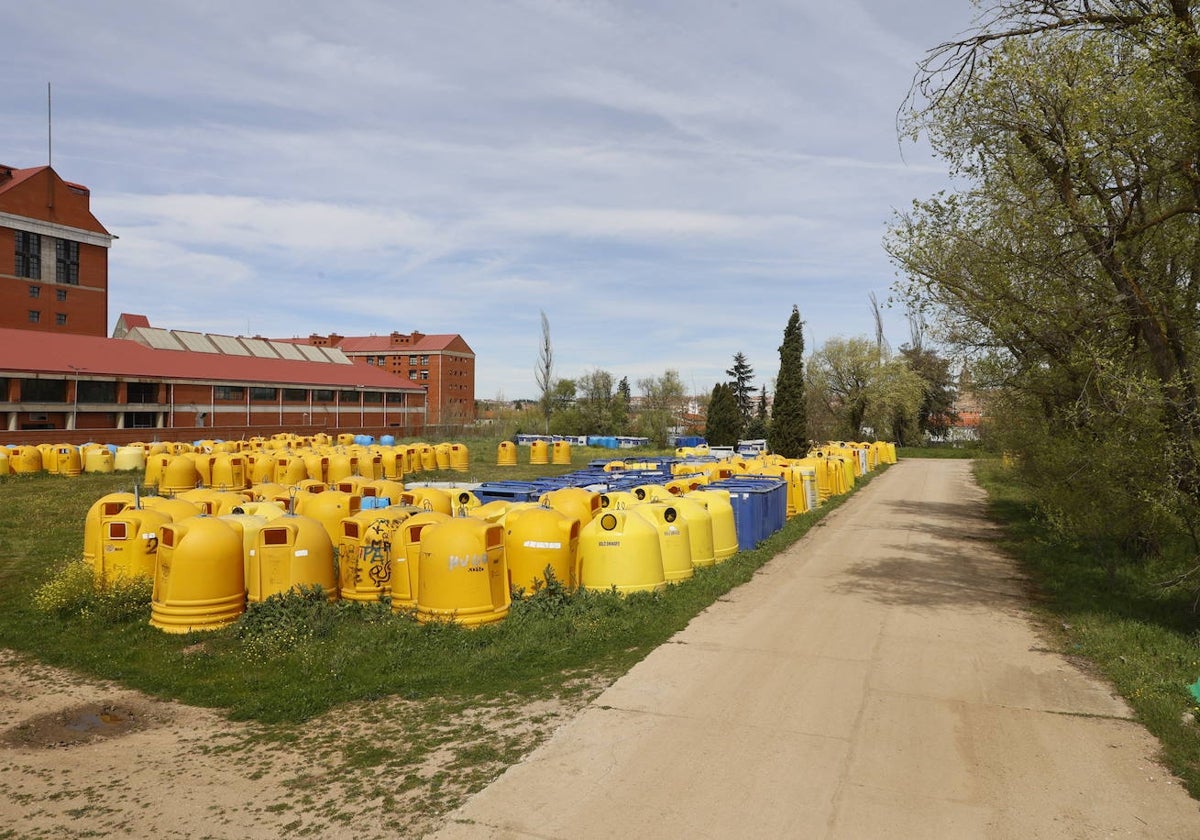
880,679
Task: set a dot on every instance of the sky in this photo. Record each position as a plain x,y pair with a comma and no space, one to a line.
665,180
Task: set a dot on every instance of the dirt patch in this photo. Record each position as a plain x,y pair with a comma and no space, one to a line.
84,758
79,724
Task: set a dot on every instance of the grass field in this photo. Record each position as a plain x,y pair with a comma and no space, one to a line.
293,658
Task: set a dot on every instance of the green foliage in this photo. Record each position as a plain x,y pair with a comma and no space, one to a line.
1066,265
74,593
742,374
724,421
858,391
286,621
662,404
789,433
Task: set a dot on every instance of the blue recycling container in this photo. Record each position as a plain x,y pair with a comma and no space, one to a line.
759,507
507,491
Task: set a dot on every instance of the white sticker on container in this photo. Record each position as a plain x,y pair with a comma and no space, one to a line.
537,544
301,552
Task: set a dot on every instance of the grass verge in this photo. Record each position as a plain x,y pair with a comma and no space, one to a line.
1140,635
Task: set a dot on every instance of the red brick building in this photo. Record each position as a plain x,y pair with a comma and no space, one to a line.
182,385
443,365
53,255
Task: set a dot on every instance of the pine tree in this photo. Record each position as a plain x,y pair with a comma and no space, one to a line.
742,375
724,423
788,434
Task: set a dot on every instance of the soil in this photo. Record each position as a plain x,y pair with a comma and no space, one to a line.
83,758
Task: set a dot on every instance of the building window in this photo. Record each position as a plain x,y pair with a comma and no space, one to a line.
264,393
371,361
424,360
295,395
349,397
44,390
66,262
34,316
142,393
373,397
89,391
424,374
60,295
35,291
228,392
28,255
322,395
412,360
412,373
60,318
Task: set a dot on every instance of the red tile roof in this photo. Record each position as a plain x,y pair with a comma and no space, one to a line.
383,344
20,176
132,321
33,351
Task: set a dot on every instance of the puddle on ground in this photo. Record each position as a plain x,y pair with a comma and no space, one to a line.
76,725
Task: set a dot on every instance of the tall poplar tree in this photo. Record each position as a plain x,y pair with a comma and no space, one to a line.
788,434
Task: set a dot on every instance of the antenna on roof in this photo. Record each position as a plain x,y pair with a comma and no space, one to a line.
49,128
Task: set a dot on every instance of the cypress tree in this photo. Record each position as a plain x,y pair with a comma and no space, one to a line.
788,433
724,423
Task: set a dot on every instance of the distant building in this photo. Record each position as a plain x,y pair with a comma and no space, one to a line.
175,384
442,365
53,255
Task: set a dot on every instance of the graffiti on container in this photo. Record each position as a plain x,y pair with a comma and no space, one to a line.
375,557
470,562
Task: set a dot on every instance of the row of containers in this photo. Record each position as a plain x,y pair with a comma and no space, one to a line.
174,466
454,553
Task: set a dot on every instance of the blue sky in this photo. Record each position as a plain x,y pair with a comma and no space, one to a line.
663,179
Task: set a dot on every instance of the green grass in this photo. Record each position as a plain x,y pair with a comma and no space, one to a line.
963,450
1142,636
293,658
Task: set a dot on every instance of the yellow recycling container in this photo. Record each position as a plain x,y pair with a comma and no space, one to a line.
25,459
620,548
69,461
462,575
128,545
289,469
107,505
724,528
441,455
199,577
618,500
5,469
429,498
539,452
366,552
539,538
316,466
494,511
506,454
179,474
247,525
214,502
177,509
129,458
328,508
406,561
561,453
575,502
699,529
427,456
392,460
384,488
291,552
267,510
674,539
460,458
345,439
351,484
230,471
98,460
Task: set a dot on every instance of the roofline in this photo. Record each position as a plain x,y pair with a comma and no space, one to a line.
24,223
